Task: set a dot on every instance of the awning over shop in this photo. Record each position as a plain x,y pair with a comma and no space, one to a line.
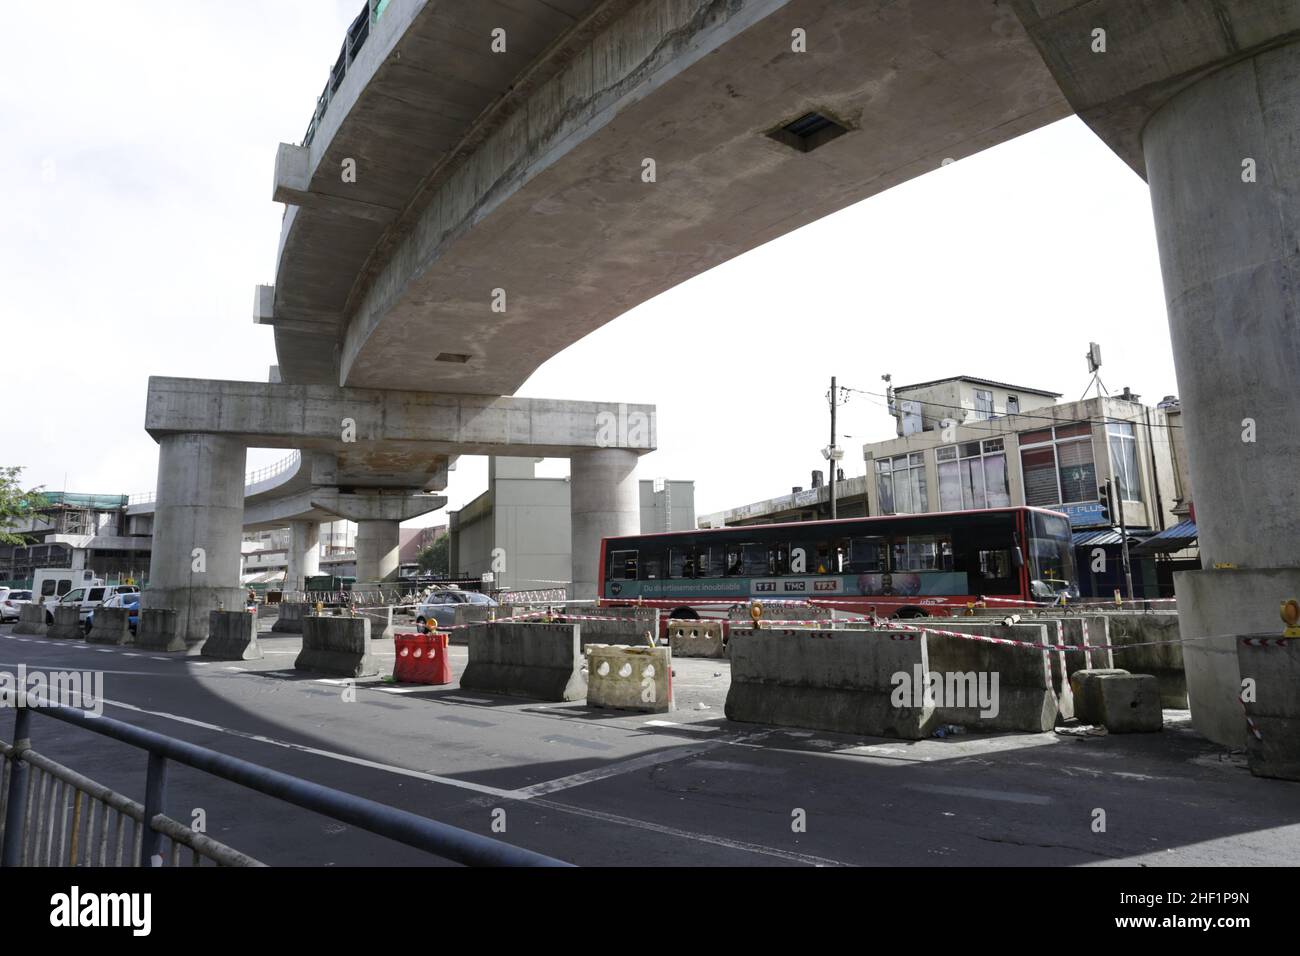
1177,538
1103,536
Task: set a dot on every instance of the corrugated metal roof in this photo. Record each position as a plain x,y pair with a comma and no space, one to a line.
1083,539
1177,538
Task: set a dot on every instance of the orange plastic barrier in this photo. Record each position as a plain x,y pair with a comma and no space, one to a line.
421,659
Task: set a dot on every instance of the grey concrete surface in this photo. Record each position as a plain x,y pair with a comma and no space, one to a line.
304,554
542,661
549,159
336,646
232,636
112,626
1027,698
691,788
1231,267
1273,735
604,503
829,680
197,530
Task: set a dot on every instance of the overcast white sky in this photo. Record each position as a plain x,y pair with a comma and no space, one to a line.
135,219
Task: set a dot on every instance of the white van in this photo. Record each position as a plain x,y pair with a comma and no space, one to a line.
88,598
51,584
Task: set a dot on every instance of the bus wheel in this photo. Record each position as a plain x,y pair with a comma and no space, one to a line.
684,614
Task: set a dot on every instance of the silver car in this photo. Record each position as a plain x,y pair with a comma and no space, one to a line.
440,606
10,600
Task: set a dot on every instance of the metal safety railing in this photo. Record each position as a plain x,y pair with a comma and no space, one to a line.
48,812
353,41
252,478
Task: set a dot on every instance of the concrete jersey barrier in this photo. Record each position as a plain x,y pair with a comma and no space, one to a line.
1025,696
67,624
843,681
1158,651
290,619
541,661
156,630
112,625
31,620
1273,728
232,636
336,646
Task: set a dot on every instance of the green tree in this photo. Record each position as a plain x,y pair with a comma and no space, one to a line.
434,558
16,503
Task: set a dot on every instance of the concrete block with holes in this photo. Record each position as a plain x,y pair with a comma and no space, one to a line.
630,678
696,639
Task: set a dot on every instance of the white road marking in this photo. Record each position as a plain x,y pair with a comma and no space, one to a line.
790,855
976,794
470,700
613,770
316,751
693,728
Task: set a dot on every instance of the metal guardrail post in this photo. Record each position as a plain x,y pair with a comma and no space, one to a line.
155,796
16,808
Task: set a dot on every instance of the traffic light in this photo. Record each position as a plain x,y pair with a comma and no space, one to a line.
1106,498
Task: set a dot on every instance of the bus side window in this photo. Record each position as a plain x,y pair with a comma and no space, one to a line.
623,566
63,588
47,589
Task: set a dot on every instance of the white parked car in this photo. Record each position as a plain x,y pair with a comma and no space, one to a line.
10,600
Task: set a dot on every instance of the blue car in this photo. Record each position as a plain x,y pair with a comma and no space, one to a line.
131,601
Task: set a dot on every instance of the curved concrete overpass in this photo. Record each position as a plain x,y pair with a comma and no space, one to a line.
525,171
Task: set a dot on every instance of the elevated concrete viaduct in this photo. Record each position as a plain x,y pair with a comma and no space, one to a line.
369,456
459,215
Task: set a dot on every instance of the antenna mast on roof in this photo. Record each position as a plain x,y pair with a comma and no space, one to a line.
1094,366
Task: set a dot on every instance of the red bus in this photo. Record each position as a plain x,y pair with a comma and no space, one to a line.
896,566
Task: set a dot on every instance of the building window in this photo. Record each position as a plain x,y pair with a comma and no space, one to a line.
1124,460
973,475
983,404
1013,405
900,483
1058,466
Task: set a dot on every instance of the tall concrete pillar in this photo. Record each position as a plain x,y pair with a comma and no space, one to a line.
304,554
603,503
378,543
379,517
197,528
1230,256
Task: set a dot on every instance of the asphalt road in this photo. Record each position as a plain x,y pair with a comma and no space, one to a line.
686,788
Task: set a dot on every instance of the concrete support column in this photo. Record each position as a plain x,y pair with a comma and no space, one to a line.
603,503
197,528
378,543
304,554
1225,188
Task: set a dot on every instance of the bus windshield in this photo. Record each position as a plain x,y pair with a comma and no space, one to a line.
1051,557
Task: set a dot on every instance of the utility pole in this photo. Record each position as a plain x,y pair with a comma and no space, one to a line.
1123,534
831,458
